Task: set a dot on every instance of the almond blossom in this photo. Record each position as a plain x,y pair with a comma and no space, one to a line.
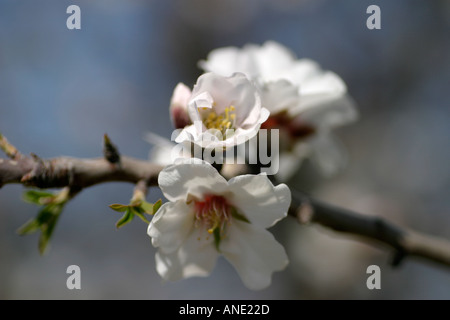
220,111
306,102
208,216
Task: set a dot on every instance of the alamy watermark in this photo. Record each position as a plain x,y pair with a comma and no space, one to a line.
74,280
74,20
262,150
374,20
374,280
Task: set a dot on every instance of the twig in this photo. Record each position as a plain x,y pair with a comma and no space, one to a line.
75,173
373,229
9,149
82,173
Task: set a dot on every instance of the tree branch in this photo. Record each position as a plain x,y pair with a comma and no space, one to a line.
75,173
372,229
78,174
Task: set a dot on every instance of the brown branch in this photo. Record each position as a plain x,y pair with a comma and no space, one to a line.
373,229
76,173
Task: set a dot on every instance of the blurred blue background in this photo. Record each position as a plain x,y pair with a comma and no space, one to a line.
61,90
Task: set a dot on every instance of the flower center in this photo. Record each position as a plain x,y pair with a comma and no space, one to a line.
295,129
221,122
213,212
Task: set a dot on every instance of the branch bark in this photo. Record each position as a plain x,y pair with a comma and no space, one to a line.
376,230
78,174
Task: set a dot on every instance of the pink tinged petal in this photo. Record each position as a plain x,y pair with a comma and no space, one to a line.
258,200
190,177
171,225
254,253
178,106
181,96
195,258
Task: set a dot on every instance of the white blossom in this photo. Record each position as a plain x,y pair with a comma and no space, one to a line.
222,111
306,102
208,216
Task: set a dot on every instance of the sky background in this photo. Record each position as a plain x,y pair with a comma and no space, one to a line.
61,90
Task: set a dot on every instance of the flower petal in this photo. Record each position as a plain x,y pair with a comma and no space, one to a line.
328,153
178,106
300,71
264,61
234,90
279,95
256,198
272,58
181,95
329,112
228,60
320,89
171,225
190,177
254,253
195,258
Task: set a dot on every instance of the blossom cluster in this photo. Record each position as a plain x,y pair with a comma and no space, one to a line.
242,91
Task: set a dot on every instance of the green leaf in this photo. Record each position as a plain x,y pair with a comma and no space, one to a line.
147,207
238,216
157,205
118,207
48,227
29,227
45,221
126,218
47,216
36,196
135,209
138,211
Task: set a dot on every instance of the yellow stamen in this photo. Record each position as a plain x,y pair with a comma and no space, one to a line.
220,122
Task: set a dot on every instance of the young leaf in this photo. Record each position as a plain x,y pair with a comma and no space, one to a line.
157,205
118,207
48,227
126,218
48,215
29,227
138,211
147,207
36,196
